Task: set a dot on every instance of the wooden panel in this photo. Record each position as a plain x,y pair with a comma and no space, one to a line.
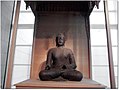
85,84
48,25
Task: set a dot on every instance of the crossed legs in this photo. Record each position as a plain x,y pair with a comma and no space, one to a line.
72,75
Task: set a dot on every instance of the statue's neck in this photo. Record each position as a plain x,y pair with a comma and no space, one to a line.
60,46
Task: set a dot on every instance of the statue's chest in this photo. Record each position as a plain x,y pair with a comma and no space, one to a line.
60,54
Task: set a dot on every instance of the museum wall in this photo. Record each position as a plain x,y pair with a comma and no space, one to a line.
47,26
6,17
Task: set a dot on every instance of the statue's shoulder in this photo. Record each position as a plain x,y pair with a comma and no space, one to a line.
69,50
51,49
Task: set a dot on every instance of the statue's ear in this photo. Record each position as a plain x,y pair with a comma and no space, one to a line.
65,37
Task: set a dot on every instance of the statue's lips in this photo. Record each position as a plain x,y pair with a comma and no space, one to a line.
60,42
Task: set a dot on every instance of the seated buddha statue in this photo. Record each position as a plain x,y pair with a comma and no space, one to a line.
60,63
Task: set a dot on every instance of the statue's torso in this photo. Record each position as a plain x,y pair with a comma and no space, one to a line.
60,57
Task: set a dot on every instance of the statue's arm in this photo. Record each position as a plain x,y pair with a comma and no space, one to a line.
72,60
49,60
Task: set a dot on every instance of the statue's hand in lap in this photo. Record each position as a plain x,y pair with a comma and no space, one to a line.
64,67
60,62
47,67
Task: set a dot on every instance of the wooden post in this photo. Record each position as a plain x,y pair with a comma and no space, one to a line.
12,47
89,45
109,46
118,38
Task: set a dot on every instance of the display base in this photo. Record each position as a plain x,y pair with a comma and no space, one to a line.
84,84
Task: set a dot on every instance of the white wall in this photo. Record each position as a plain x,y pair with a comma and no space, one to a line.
23,46
100,66
6,17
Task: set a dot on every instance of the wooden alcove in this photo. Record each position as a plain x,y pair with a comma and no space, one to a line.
72,19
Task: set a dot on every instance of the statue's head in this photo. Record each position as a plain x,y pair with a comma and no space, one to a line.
60,40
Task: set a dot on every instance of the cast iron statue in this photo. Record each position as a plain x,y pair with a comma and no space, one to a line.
60,62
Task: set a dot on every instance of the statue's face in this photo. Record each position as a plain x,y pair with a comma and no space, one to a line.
60,40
